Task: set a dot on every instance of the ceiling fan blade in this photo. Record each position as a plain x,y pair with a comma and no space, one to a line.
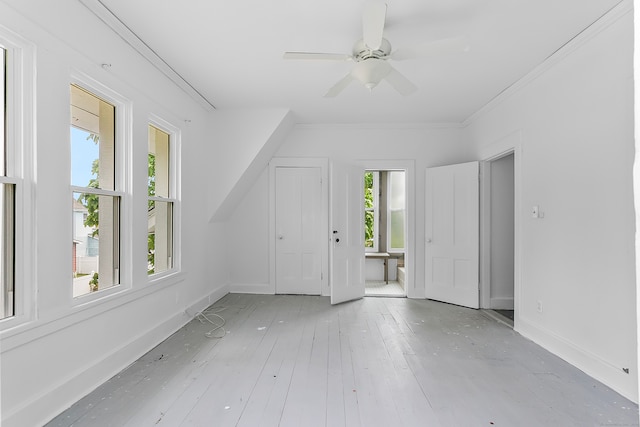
400,82
438,47
317,56
340,86
373,23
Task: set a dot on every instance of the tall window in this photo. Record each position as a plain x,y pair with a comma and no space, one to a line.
161,202
371,206
96,199
7,207
396,216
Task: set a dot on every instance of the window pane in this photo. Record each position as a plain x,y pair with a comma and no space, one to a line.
160,237
396,209
96,248
7,231
158,183
92,141
3,112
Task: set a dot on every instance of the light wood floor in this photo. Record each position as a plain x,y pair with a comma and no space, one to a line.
297,361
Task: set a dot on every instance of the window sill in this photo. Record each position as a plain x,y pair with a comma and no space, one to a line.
37,328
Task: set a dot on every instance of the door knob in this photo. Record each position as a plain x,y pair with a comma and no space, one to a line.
280,237
428,239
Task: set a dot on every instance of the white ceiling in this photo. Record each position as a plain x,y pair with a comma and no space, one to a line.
231,51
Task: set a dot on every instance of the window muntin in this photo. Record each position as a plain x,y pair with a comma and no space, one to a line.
371,214
161,204
96,201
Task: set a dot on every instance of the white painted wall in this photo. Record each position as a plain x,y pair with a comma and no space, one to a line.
248,238
66,349
572,124
502,233
425,146
243,142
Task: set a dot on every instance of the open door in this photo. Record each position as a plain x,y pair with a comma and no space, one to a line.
347,232
452,234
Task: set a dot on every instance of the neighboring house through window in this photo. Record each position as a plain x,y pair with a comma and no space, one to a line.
96,198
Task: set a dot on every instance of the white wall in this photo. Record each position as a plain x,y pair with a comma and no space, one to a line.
244,140
572,124
425,146
65,349
248,238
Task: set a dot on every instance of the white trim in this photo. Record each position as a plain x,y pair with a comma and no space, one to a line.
583,359
96,191
509,144
123,118
251,288
298,162
132,39
636,176
175,190
86,309
21,170
378,126
54,398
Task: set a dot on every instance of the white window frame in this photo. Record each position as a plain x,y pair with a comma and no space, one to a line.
174,190
376,212
123,185
20,161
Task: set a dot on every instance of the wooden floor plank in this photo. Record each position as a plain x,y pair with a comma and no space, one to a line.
298,361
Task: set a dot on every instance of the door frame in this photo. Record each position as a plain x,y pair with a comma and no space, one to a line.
409,167
509,144
301,162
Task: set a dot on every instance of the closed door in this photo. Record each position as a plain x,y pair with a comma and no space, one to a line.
452,234
298,230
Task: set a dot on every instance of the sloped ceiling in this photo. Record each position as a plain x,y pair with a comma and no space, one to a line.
231,51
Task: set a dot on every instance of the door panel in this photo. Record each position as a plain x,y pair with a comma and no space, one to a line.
298,230
452,234
347,238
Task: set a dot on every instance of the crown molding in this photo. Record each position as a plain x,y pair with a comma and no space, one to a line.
132,39
377,126
606,20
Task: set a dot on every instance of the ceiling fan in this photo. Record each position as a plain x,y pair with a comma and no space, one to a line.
372,52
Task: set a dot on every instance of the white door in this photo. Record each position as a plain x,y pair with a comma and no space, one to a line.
299,235
452,234
347,233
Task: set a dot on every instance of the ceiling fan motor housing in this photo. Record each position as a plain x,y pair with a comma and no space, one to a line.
363,52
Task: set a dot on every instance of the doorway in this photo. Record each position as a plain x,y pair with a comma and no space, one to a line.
385,224
499,237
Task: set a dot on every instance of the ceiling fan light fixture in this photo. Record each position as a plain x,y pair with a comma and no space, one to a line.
370,72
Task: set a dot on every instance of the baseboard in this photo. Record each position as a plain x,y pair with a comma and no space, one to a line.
255,288
501,303
46,405
591,364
